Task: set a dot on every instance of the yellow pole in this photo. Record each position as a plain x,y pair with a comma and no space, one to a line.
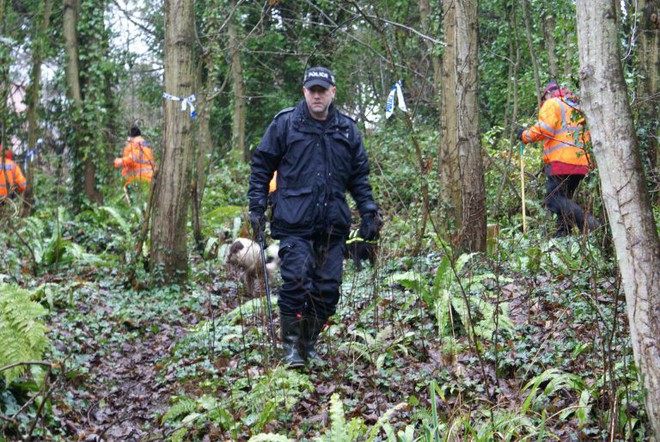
522,186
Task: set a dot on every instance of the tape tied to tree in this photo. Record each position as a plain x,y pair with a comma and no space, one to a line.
29,157
185,103
396,94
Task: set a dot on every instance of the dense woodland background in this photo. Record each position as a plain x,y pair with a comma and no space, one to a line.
120,321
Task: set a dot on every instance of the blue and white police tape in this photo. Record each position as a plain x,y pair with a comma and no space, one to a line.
396,93
29,157
185,102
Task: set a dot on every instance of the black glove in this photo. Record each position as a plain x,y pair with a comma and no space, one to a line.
519,132
369,226
258,221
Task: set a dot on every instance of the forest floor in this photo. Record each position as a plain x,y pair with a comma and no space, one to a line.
130,355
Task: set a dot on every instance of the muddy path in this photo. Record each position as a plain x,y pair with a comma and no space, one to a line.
113,385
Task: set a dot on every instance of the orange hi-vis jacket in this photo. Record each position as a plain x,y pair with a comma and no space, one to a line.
564,134
11,178
137,162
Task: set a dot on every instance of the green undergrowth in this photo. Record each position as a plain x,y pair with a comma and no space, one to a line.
529,345
527,341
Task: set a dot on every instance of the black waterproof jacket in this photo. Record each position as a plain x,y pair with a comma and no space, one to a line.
316,164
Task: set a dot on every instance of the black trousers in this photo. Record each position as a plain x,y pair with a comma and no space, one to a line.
311,270
559,200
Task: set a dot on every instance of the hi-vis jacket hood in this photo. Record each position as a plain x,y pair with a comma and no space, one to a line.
561,126
11,178
137,161
316,163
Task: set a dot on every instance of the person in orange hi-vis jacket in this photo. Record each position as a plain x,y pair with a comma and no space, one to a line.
137,161
561,127
12,179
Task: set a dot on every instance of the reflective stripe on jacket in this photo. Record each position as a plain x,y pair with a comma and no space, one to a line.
562,131
11,178
137,162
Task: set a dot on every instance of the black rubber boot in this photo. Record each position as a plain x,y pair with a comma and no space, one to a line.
311,329
291,331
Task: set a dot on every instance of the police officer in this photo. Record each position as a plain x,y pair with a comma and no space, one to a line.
319,155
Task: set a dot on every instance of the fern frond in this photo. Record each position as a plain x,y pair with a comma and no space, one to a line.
22,334
340,430
184,406
337,418
179,434
385,418
123,224
31,232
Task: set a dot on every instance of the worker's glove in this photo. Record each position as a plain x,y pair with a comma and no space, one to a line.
370,225
519,133
117,163
258,221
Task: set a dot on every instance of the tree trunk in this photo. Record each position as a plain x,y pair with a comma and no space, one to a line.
435,60
168,231
532,50
448,166
70,31
239,109
203,148
461,162
473,190
549,24
649,74
70,24
33,102
624,192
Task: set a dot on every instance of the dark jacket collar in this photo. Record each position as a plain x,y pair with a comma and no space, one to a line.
303,118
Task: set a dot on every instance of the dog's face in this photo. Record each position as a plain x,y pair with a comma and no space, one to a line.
245,255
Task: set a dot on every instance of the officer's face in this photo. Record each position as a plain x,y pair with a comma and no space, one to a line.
318,100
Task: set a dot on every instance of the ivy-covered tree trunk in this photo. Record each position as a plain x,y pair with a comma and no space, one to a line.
87,129
624,191
33,101
168,231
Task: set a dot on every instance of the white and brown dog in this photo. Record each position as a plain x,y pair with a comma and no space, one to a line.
245,256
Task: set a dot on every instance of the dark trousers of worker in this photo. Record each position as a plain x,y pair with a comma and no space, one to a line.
311,270
559,200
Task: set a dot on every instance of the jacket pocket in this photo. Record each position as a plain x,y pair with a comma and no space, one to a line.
294,207
339,214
